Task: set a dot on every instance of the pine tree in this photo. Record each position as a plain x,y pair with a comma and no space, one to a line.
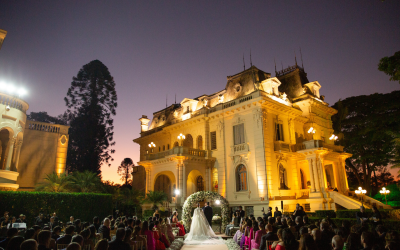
91,102
125,170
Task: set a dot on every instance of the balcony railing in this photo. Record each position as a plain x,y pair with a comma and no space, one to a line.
280,145
316,144
179,151
239,149
42,126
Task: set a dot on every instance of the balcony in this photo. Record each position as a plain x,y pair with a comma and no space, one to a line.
316,144
239,149
281,146
176,151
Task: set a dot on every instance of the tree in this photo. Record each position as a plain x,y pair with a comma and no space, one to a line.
85,182
365,133
54,183
91,102
391,66
156,197
125,170
42,116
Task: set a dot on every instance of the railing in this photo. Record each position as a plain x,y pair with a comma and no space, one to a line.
41,126
239,149
279,145
288,70
177,151
316,144
13,102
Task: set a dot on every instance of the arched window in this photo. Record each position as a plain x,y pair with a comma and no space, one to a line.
188,142
176,144
282,177
241,178
200,142
200,183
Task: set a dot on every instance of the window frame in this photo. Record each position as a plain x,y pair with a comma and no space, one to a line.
241,178
241,137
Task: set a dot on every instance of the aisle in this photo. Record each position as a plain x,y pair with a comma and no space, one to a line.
205,247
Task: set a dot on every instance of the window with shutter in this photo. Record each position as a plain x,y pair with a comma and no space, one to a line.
238,134
213,136
278,132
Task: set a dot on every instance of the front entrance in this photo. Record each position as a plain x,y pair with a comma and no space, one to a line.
163,184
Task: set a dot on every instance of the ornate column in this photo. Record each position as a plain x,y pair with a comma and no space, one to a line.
207,178
10,152
148,179
311,170
316,174
293,164
17,153
184,182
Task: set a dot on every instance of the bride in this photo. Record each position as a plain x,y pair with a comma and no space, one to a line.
200,231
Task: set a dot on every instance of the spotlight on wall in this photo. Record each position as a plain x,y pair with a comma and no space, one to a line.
311,130
217,202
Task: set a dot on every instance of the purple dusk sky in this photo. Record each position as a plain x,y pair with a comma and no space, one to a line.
159,48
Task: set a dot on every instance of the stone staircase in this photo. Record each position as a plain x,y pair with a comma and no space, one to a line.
352,201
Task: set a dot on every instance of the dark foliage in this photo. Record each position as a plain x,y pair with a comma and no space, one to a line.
125,170
391,66
325,213
82,205
44,117
91,101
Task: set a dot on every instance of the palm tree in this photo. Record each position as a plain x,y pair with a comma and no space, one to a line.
156,197
85,182
54,183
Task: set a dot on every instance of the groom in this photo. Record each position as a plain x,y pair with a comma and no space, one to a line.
208,212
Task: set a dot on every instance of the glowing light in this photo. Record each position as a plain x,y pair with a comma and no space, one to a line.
21,92
177,192
181,137
311,131
152,145
333,137
186,116
361,191
12,89
384,191
217,202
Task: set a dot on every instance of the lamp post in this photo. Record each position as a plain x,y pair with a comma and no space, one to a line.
385,192
362,192
151,146
181,137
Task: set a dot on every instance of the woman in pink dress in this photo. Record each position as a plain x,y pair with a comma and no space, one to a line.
248,233
161,235
255,243
181,228
151,243
170,234
288,241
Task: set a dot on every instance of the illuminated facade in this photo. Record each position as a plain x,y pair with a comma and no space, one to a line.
260,141
29,150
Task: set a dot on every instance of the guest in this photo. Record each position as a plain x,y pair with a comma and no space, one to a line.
30,244
40,220
44,240
170,234
12,221
277,213
376,217
118,243
278,222
367,240
93,236
181,228
78,226
66,239
136,237
151,243
86,237
52,224
129,223
104,229
275,243
15,243
159,237
96,223
269,213
73,246
234,223
101,245
380,230
156,214
11,232
21,219
361,215
353,242
238,235
255,243
248,233
288,241
305,221
337,242
326,236
299,223
78,239
29,234
241,212
307,242
4,216
269,236
71,221
316,233
284,223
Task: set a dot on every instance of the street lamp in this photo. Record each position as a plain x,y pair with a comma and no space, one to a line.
152,145
385,192
362,192
181,137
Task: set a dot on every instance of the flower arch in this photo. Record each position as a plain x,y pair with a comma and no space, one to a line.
199,196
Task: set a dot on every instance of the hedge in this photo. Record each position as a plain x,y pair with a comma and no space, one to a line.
325,213
82,206
389,224
149,212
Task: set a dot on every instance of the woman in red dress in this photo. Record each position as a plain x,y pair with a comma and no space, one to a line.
181,227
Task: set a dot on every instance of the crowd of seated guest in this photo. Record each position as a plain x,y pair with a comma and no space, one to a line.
122,233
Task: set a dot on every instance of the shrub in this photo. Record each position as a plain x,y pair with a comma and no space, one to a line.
81,205
389,224
325,213
393,214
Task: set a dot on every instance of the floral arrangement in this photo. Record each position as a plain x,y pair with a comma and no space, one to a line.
232,245
216,218
199,196
176,244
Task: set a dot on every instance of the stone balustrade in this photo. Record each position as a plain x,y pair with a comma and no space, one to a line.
42,126
179,151
239,149
13,102
281,146
315,144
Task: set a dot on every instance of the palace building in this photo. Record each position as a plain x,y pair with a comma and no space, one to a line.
261,141
29,150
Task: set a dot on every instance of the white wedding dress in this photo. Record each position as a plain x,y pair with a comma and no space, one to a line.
200,231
